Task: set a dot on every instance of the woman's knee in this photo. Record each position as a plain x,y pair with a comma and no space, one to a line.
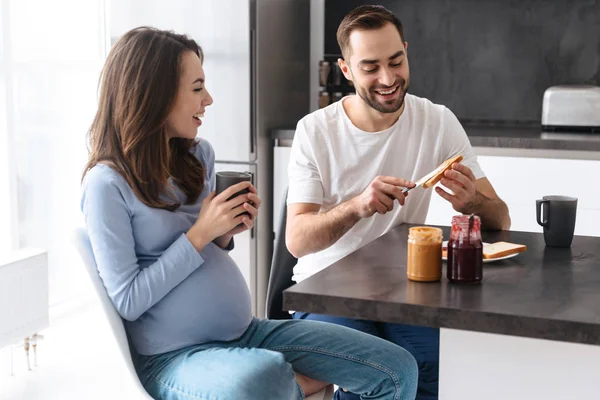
406,367
400,373
271,364
270,376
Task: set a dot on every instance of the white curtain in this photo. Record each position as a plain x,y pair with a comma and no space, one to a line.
51,56
8,218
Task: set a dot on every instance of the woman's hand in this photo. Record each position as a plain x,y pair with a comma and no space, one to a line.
247,223
252,209
219,216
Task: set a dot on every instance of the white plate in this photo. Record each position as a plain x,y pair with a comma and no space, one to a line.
485,260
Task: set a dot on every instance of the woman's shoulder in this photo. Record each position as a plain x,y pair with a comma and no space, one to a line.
204,151
102,178
102,174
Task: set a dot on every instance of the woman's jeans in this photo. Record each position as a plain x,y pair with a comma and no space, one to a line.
422,342
260,365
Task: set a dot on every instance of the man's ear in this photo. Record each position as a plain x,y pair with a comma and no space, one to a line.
406,47
345,68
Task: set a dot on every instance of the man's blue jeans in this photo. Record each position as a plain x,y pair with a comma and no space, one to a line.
260,365
422,342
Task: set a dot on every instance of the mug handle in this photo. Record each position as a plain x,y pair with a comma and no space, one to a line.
541,213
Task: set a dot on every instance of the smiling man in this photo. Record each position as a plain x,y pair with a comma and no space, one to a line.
350,161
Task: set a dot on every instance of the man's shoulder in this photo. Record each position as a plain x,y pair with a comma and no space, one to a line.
424,105
320,123
322,116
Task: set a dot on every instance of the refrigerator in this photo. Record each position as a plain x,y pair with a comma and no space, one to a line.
256,61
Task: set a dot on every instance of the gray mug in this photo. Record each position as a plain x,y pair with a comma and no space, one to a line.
557,214
230,178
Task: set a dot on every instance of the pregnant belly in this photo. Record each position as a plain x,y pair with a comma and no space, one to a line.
213,303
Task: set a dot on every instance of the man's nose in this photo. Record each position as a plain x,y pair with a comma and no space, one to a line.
387,77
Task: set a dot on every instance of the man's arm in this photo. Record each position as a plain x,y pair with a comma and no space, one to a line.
474,196
490,208
308,230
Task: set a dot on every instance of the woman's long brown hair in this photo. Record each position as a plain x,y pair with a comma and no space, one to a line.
138,87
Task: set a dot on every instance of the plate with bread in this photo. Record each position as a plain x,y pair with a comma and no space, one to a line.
493,251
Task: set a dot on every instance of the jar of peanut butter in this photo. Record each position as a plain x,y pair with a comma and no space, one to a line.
424,263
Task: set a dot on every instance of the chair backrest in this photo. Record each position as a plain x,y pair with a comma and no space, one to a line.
84,247
282,267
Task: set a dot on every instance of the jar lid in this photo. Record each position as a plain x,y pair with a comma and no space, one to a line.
425,233
464,220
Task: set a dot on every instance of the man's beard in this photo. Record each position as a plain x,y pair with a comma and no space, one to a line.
387,107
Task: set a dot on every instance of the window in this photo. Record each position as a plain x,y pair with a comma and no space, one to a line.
49,81
7,218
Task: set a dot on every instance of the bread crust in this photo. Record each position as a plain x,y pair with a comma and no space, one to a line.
439,174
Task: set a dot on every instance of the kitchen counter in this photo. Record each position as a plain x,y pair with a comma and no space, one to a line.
507,138
544,293
530,330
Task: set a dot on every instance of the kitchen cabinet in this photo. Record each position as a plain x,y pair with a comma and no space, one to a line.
519,181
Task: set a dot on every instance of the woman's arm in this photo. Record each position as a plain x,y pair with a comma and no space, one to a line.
133,290
224,242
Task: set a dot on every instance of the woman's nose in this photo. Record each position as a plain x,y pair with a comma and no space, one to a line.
209,100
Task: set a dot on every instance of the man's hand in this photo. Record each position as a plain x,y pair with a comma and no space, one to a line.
379,196
461,181
309,230
474,196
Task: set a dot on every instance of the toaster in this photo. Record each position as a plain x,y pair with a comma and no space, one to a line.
571,107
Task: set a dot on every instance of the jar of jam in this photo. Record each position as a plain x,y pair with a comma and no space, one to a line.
424,263
465,250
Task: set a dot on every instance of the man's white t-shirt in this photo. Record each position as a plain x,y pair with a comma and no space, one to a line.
333,161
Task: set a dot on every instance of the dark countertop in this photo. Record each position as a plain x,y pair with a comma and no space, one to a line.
511,137
545,293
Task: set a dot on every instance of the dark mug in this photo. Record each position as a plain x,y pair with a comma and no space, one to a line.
557,215
230,178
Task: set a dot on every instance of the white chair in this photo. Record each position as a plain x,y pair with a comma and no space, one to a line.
84,247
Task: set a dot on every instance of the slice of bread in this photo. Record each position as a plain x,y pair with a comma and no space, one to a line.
438,173
502,249
495,250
